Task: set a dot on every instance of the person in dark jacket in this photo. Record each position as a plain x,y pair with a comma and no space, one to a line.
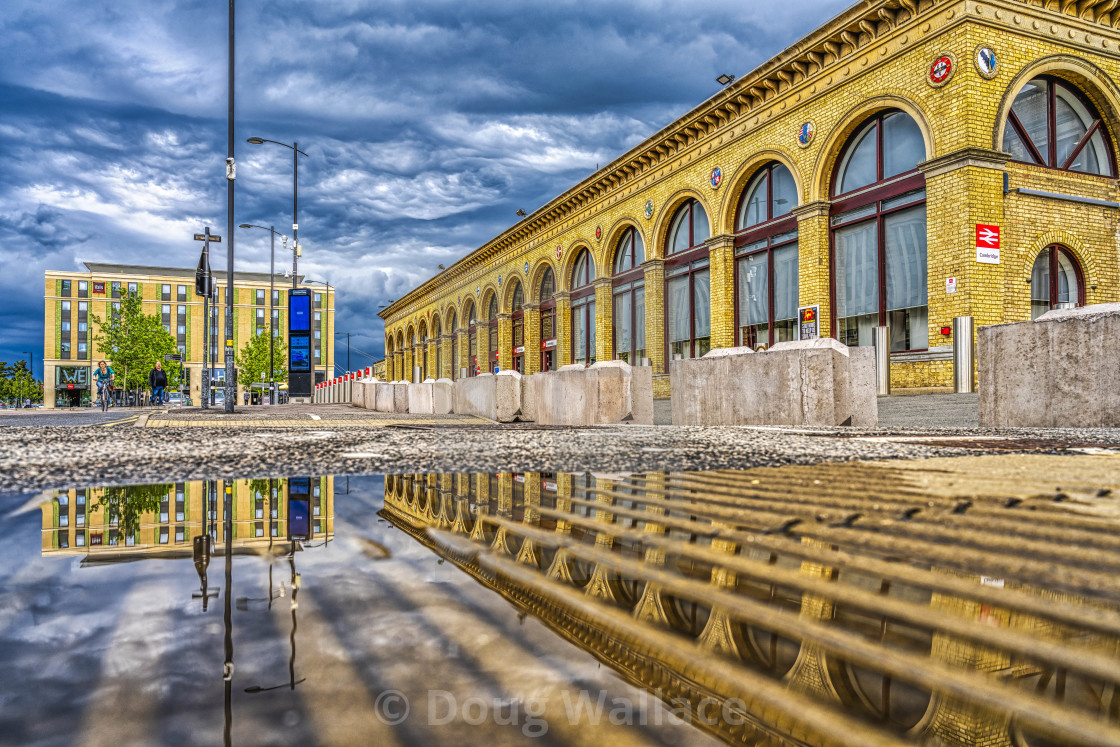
157,380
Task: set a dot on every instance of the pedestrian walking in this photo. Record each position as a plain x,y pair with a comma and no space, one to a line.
157,380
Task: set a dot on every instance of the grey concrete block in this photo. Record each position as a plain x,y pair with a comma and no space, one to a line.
357,393
529,387
442,396
1054,372
507,396
369,394
383,396
863,393
400,397
420,398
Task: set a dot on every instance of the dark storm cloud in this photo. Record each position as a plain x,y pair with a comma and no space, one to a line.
427,125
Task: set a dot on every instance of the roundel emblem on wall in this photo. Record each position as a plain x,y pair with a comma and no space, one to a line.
941,70
499,281
805,134
559,251
649,209
526,268
716,177
987,64
478,291
598,233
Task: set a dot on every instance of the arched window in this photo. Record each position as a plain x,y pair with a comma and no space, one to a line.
437,368
629,320
492,320
547,290
879,235
1055,282
517,332
1053,124
583,309
470,315
688,316
421,357
766,265
454,332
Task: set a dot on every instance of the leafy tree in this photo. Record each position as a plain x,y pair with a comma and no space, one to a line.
125,505
252,360
132,342
17,383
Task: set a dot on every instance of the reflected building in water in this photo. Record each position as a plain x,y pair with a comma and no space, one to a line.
832,608
131,522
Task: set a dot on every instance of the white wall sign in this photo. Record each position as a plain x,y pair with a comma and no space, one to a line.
950,285
987,256
987,244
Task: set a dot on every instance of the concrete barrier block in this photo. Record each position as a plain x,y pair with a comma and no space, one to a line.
863,393
474,395
442,396
420,398
529,387
1053,372
383,396
369,394
357,393
400,397
641,395
507,396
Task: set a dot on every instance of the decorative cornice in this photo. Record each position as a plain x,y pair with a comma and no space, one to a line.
720,241
981,158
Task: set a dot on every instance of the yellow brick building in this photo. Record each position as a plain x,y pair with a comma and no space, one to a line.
70,353
907,163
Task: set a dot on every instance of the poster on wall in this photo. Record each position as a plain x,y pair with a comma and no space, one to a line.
808,322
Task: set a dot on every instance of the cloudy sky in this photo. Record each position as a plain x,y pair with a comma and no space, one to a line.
428,123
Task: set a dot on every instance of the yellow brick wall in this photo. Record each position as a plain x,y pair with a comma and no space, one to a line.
887,70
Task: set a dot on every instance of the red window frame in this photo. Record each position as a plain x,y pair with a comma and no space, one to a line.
633,277
580,292
1050,159
548,311
693,253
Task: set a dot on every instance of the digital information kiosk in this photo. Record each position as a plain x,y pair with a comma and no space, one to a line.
299,343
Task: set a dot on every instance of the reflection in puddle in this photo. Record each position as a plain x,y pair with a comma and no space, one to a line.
837,606
279,611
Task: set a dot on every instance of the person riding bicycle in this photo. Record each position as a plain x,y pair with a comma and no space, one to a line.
103,375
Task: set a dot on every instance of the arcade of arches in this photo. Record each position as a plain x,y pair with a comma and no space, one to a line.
852,179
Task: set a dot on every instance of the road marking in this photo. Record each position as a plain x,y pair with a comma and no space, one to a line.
315,417
121,422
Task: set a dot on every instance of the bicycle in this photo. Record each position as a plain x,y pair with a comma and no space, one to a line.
103,395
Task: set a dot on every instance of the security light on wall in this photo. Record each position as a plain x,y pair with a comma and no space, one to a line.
441,267
521,213
725,79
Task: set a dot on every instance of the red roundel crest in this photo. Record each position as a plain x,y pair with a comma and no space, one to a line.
940,70
559,251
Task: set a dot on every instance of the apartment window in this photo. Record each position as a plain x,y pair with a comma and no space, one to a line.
259,295
165,292
275,323
65,307
66,325
83,351
165,316
275,298
83,289
115,289
318,300
133,289
260,321
66,288
182,293
65,350
80,539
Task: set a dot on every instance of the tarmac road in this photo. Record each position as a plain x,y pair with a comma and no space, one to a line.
81,416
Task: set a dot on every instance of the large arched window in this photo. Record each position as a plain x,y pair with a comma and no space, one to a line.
421,361
437,367
517,331
766,265
688,316
629,320
1053,124
492,321
879,235
583,309
454,332
470,315
1055,282
547,290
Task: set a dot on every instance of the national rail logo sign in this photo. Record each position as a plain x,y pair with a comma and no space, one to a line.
987,244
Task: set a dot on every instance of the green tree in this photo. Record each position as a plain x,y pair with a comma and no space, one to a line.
252,360
132,342
17,383
125,505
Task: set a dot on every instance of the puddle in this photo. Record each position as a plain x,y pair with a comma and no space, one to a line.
849,604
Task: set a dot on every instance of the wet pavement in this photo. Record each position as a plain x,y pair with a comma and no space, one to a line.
961,600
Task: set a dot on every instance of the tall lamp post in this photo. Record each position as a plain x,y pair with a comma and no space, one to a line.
296,153
31,358
271,305
326,321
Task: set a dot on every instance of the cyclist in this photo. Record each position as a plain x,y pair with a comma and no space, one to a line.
103,375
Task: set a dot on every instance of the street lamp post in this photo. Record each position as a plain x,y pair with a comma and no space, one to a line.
296,153
271,307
